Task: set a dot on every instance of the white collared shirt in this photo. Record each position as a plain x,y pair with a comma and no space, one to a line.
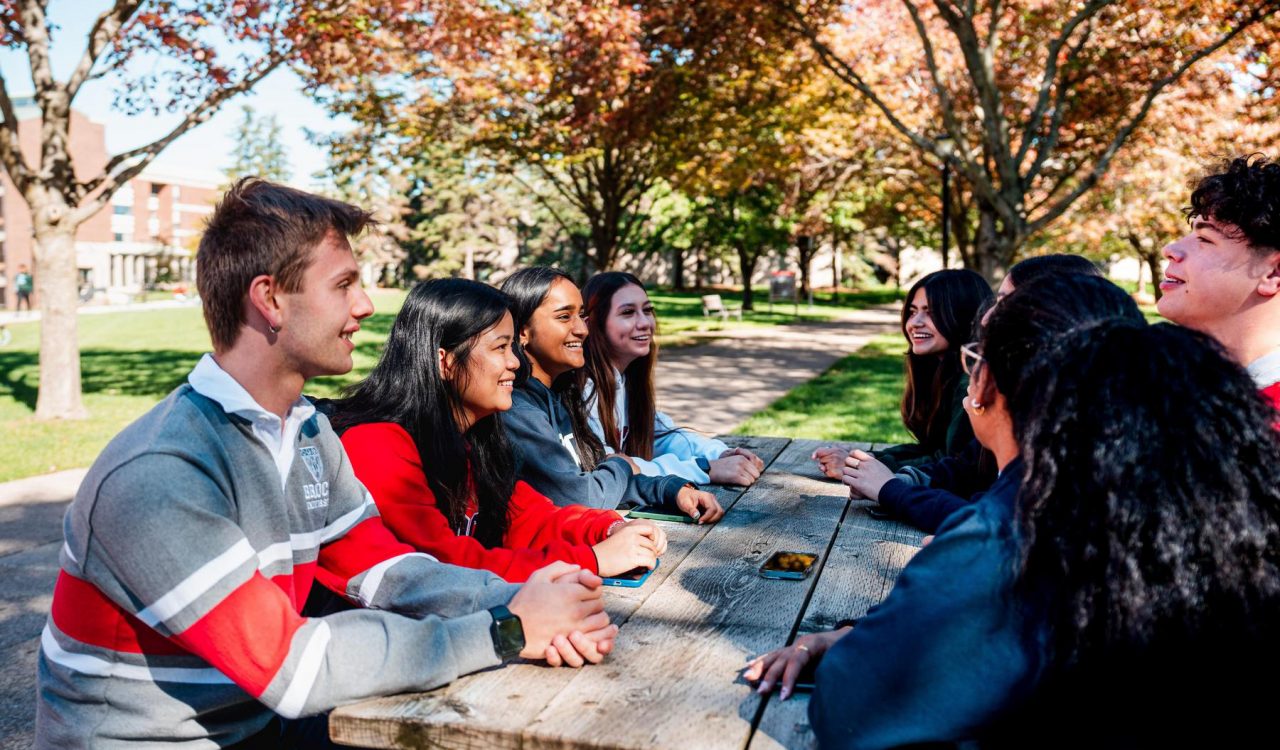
281,438
1265,370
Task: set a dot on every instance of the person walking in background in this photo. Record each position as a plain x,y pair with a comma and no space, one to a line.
23,286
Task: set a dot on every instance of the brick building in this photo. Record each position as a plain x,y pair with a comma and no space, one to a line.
146,236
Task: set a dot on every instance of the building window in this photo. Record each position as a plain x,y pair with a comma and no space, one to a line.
122,210
119,236
156,187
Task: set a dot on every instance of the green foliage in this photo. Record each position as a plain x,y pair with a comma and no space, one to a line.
131,360
856,399
259,151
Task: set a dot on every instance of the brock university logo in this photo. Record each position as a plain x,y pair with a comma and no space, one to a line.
311,457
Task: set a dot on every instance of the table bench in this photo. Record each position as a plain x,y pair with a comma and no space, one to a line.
674,678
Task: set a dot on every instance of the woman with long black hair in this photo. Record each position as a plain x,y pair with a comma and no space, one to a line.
424,437
1111,584
618,387
562,457
938,316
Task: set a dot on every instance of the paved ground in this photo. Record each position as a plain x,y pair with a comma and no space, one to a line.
711,387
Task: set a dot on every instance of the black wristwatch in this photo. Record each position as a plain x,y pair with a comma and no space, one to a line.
507,633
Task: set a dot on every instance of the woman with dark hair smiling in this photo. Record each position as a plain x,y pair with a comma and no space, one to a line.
937,318
423,435
1109,587
562,457
925,494
621,355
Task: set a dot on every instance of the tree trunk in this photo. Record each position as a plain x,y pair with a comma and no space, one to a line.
1152,257
747,266
806,260
677,268
835,266
699,268
994,246
56,287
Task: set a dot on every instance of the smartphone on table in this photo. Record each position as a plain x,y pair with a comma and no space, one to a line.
665,512
793,566
633,578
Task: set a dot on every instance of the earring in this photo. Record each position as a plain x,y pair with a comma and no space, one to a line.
978,408
274,329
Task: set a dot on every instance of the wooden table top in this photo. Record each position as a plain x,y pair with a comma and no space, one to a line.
674,677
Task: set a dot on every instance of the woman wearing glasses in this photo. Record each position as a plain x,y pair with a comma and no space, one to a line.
1115,593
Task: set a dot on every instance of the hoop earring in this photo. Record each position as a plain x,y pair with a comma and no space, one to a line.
274,329
978,408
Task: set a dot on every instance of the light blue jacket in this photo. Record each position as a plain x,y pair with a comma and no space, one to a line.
676,450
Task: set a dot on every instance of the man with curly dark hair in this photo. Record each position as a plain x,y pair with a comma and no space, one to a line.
1223,278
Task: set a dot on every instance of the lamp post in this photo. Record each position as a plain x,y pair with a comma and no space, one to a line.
944,145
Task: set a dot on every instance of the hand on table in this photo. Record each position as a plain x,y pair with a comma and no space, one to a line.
561,609
735,468
634,544
698,505
865,475
759,462
783,666
831,460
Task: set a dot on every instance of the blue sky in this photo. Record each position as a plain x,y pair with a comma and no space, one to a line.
204,151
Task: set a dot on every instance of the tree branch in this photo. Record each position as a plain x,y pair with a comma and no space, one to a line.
1092,8
115,173
931,61
1122,135
104,30
1054,128
980,64
842,70
10,149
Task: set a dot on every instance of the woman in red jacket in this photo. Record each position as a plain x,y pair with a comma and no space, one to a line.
424,437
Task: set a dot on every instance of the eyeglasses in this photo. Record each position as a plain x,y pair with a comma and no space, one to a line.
969,357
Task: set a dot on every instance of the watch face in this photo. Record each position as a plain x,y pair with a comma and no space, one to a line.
508,633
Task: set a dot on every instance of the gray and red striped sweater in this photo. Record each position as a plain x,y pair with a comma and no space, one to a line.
175,620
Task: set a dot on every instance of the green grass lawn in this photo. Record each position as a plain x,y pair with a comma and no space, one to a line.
131,360
856,399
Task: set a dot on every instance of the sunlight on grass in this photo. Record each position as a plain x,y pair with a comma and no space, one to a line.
856,399
131,360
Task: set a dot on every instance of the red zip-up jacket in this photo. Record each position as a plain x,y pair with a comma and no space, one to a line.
386,460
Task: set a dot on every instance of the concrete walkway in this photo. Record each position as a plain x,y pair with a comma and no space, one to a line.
712,387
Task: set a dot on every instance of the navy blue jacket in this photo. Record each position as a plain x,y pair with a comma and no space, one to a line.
954,483
947,651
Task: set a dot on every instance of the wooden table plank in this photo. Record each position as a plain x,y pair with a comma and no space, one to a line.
683,650
493,708
866,558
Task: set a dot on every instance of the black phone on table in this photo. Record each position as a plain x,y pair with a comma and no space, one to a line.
665,512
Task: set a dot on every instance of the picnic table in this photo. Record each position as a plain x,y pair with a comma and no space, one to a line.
674,677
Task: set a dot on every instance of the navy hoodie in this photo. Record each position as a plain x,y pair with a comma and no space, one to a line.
539,426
